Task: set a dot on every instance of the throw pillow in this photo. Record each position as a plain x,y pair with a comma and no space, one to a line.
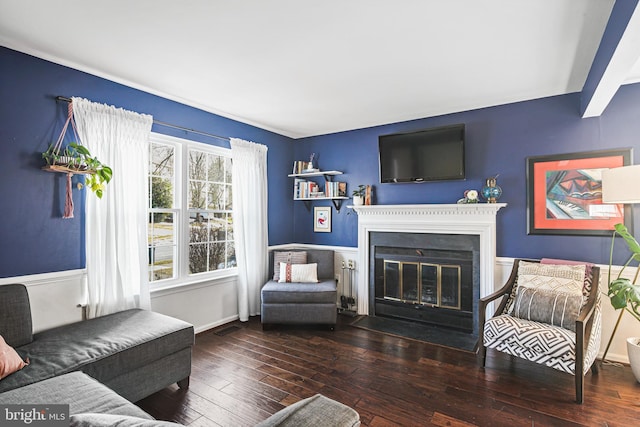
298,273
563,278
10,360
290,257
555,308
588,277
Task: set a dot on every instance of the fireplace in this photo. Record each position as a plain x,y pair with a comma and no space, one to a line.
427,249
429,278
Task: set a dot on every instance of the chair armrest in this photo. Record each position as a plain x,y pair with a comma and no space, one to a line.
584,322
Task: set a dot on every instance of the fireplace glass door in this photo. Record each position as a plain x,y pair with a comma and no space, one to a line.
422,283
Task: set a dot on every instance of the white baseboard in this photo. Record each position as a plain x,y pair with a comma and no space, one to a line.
221,322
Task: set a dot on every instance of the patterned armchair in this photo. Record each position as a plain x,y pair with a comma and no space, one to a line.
550,314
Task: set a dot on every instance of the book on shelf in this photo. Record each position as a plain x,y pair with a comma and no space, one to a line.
303,189
300,167
335,189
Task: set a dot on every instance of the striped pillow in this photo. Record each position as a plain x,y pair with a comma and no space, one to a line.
298,273
541,305
289,257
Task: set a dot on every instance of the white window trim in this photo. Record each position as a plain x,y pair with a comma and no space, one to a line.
183,278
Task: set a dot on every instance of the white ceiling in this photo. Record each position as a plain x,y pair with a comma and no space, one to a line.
303,68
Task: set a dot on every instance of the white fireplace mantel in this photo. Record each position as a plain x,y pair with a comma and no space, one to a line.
477,219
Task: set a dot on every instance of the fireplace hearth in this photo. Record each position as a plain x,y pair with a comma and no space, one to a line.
427,278
432,237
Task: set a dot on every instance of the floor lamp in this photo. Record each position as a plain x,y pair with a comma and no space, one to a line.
620,185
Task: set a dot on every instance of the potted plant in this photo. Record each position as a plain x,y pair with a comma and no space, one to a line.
358,195
76,158
625,294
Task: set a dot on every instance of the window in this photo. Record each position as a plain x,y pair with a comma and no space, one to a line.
190,210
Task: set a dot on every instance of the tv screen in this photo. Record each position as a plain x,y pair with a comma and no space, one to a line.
434,154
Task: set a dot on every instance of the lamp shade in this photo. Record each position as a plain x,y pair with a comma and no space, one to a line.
621,185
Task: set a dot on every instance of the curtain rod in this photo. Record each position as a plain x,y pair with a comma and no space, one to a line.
169,125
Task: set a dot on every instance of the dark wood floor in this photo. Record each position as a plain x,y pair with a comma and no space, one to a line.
242,375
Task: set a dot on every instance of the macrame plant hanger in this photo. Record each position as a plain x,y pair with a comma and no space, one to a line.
68,203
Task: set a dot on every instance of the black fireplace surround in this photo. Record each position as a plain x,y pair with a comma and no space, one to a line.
426,278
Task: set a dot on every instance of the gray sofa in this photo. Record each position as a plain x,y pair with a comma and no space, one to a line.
134,352
99,366
301,303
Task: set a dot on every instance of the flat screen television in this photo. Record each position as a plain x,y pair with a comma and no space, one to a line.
435,154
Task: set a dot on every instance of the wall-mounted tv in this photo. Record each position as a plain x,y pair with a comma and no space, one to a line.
435,154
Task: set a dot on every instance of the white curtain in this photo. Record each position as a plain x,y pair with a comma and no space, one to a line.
116,225
250,223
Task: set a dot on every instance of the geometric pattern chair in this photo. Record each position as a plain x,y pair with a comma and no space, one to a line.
549,314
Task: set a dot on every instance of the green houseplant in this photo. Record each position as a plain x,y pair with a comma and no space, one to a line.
76,158
358,195
625,294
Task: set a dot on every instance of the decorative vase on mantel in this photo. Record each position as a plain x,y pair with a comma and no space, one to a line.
491,190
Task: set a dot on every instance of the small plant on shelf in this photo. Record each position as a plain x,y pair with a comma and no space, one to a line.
358,195
76,158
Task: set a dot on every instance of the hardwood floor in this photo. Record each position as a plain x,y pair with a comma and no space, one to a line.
241,375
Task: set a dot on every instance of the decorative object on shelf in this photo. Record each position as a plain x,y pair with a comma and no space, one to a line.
368,195
76,159
564,193
322,219
310,165
470,196
358,195
491,190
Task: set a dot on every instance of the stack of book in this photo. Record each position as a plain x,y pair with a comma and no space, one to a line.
335,189
304,189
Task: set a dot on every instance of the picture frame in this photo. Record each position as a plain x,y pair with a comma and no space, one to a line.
322,219
564,193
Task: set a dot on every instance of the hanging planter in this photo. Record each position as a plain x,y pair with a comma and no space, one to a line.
76,159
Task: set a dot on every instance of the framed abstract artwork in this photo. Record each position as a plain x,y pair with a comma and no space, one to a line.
564,193
322,219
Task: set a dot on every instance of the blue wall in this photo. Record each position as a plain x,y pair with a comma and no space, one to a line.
35,239
498,140
33,236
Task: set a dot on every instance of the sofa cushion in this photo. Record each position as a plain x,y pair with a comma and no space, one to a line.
79,391
111,420
321,292
15,315
288,257
104,347
322,257
531,340
10,361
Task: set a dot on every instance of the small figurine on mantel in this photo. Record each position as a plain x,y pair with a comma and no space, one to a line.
368,195
470,196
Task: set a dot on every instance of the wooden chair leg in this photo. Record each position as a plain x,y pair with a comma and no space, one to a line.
482,353
579,388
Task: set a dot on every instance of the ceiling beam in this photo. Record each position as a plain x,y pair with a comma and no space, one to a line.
618,52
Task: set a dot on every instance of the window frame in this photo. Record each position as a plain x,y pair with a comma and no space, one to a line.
182,277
